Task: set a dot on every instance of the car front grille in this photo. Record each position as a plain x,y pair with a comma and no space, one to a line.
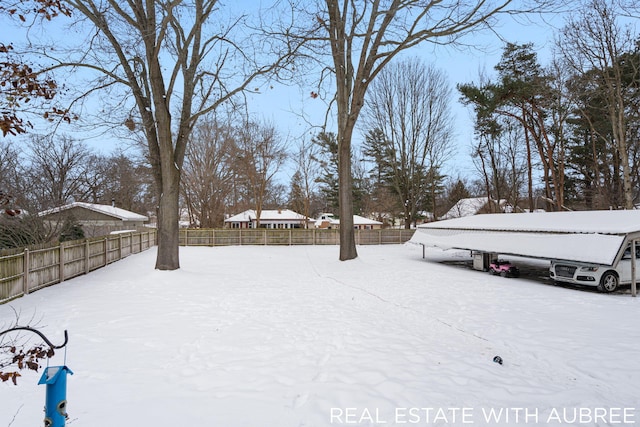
565,270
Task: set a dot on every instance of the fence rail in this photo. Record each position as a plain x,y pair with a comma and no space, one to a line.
287,237
34,269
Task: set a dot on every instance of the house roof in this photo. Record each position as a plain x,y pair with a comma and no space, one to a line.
466,207
357,220
109,210
586,236
267,215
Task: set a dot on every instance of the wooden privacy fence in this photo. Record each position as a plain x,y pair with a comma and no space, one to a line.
33,269
288,237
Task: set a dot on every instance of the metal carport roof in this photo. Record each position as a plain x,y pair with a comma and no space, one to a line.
585,236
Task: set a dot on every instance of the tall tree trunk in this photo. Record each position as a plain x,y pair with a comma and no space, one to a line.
407,214
597,187
345,198
170,160
529,162
487,184
620,133
349,102
560,172
168,227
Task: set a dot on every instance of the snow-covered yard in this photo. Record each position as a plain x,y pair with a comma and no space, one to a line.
290,336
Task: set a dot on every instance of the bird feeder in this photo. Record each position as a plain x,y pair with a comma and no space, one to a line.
55,378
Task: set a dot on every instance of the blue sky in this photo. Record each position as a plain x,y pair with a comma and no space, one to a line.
282,105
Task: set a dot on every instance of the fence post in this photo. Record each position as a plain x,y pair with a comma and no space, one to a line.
106,251
86,257
25,270
120,246
633,268
61,263
289,237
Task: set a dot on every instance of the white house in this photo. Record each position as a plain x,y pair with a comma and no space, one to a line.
327,220
280,218
474,206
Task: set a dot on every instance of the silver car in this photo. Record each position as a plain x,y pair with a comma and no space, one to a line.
605,277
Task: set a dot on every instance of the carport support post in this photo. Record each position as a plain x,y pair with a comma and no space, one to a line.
633,268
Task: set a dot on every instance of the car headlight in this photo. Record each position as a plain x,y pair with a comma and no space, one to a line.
588,268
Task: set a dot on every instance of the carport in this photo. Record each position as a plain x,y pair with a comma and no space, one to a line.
598,237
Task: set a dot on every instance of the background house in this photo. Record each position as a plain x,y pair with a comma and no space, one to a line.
473,206
280,218
327,220
95,219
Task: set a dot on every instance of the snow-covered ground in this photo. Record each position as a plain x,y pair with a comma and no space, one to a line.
290,336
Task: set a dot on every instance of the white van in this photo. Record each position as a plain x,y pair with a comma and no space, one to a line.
605,277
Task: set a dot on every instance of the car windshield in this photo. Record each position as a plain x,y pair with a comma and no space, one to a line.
627,253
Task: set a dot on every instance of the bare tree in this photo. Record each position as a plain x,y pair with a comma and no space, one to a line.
10,170
593,42
261,153
308,170
127,183
208,175
363,36
176,62
560,104
500,159
18,228
410,102
95,178
57,167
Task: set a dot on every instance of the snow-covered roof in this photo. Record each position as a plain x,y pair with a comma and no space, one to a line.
587,236
466,207
360,220
357,220
113,211
608,222
267,215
